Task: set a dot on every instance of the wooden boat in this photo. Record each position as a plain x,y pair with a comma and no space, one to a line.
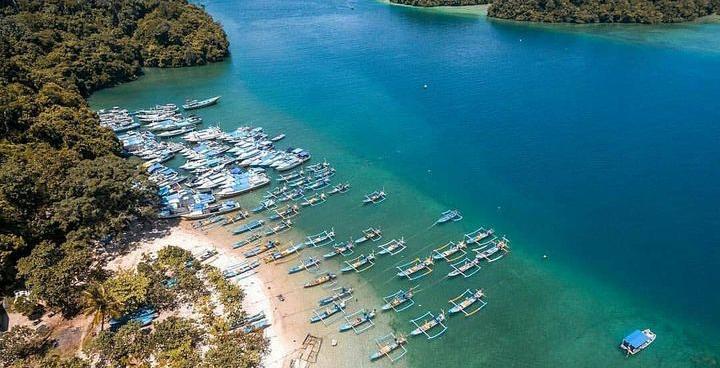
496,246
340,188
284,253
478,235
317,184
360,263
261,249
256,326
345,249
374,197
399,301
450,251
237,217
278,228
264,205
412,270
317,317
198,104
206,254
254,224
449,215
203,210
240,269
392,247
253,237
304,265
320,239
314,200
371,233
388,345
429,321
288,212
291,176
637,341
340,294
466,301
320,280
356,321
466,267
209,221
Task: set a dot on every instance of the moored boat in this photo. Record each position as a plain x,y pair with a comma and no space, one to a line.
637,341
320,280
198,104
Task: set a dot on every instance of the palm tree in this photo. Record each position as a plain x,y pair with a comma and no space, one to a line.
99,304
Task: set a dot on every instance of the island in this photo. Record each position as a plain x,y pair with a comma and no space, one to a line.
431,3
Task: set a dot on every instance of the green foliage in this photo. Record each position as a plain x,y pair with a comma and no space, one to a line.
175,342
235,350
99,304
603,11
128,346
19,344
26,306
128,289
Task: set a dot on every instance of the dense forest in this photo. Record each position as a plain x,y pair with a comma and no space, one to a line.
66,192
603,11
428,3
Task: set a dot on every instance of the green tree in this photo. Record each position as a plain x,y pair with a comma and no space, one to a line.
99,304
21,343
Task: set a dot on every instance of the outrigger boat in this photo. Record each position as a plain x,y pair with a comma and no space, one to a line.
256,326
317,317
356,321
389,344
449,215
412,270
304,265
371,233
284,253
208,222
398,301
239,216
320,280
264,205
314,200
340,188
497,246
278,228
254,224
320,239
392,247
450,251
359,264
429,321
637,341
288,212
291,176
253,237
261,249
345,249
340,294
195,104
240,269
467,267
469,298
375,197
478,235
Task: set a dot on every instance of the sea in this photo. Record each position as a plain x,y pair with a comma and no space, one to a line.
594,148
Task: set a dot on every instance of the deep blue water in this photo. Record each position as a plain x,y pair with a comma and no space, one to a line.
597,146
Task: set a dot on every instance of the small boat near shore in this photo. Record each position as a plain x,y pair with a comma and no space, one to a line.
278,228
345,249
307,263
198,104
320,280
391,347
463,302
340,294
358,321
375,197
261,249
204,210
399,301
359,264
371,234
428,322
253,237
277,137
637,341
254,224
339,189
449,215
416,268
320,316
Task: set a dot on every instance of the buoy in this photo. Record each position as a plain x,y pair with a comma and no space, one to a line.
333,342
544,256
425,86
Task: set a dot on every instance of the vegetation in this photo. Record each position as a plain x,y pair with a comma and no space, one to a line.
603,11
66,192
429,3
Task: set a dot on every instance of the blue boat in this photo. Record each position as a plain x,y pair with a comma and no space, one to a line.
637,340
254,224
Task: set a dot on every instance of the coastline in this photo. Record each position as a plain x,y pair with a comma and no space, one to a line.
289,317
466,10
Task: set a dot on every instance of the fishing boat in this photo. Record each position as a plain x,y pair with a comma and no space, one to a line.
416,268
450,251
358,321
478,235
371,234
253,237
255,317
206,254
176,132
254,224
304,265
261,249
288,212
209,221
240,269
465,301
320,316
320,280
449,215
204,210
391,347
375,197
291,176
256,326
198,104
637,341
398,301
321,238
345,249
237,217
340,294
495,247
314,200
466,267
264,205
359,264
277,137
427,322
392,247
340,188
284,253
278,228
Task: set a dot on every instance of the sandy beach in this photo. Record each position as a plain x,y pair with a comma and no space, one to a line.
289,317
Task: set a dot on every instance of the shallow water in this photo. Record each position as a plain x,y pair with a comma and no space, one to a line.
594,145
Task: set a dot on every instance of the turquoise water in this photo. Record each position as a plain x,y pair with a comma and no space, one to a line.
597,146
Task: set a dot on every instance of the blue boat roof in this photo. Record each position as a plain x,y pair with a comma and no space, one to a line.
636,338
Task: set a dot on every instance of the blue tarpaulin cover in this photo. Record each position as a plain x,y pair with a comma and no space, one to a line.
636,338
